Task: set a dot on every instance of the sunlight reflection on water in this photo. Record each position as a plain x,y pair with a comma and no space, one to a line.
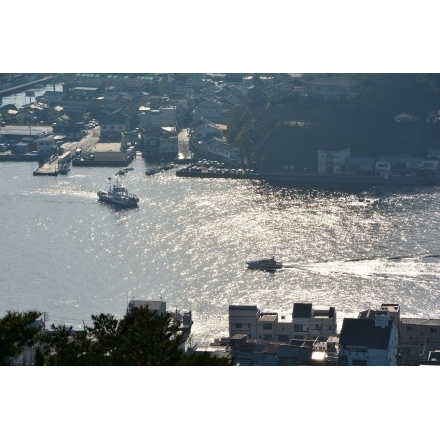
187,243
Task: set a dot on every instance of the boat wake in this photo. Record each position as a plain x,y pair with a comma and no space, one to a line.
401,267
299,265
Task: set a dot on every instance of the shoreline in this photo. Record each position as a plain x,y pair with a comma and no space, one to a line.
320,181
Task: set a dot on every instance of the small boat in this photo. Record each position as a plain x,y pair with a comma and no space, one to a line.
265,264
151,171
65,168
119,196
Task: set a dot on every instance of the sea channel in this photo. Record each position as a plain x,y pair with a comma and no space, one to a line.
68,255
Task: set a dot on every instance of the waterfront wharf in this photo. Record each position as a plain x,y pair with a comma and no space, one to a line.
314,180
48,169
105,154
217,173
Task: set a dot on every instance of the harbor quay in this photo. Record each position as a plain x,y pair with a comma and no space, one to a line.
105,154
311,180
88,151
217,172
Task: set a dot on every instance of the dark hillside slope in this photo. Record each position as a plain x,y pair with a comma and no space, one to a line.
291,130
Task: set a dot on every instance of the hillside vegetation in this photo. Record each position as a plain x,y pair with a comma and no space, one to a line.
290,130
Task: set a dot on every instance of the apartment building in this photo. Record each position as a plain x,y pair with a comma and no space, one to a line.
306,324
369,340
418,337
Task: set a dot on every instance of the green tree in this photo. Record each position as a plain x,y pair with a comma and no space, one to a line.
17,330
147,338
141,338
64,346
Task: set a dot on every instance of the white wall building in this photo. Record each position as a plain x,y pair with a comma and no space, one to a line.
307,323
369,341
45,146
204,129
218,149
332,162
243,320
162,117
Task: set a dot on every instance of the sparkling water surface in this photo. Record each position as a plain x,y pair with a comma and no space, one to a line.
65,253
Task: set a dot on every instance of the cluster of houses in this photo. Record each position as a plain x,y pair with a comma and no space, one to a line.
376,337
145,111
148,111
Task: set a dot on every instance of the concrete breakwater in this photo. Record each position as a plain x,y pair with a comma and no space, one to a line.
225,173
314,180
330,181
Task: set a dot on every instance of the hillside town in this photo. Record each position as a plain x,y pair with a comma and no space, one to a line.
146,114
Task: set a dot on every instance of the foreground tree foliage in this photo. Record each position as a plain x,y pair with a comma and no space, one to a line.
17,330
141,338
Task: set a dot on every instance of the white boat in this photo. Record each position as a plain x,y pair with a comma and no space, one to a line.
265,264
119,196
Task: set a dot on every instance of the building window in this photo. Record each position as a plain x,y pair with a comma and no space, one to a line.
283,338
267,326
298,327
238,325
409,329
433,330
267,337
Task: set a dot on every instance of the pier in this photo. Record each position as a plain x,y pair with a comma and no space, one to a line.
54,165
314,180
47,169
217,173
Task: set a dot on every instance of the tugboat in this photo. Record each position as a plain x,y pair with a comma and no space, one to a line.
269,264
119,196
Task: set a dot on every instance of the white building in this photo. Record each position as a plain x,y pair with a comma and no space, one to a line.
243,320
332,162
306,324
162,117
45,146
309,323
218,149
213,110
369,341
204,129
